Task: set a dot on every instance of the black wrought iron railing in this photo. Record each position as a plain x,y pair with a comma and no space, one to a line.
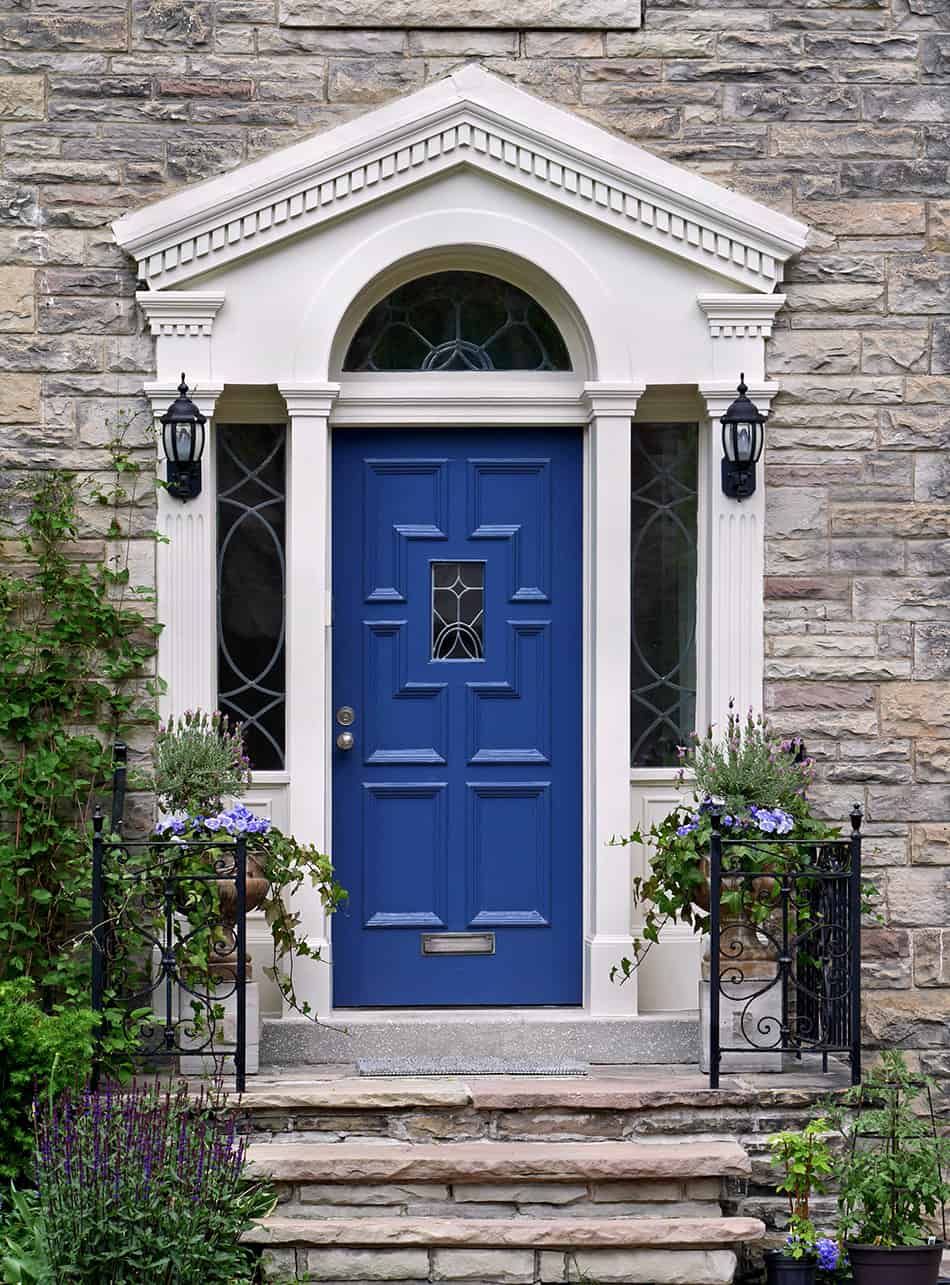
785,947
169,942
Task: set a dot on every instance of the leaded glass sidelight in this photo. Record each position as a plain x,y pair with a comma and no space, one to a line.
251,547
663,591
458,610
457,321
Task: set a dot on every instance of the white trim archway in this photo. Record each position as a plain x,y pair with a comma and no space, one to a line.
537,196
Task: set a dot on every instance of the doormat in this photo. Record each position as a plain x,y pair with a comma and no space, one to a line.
418,1066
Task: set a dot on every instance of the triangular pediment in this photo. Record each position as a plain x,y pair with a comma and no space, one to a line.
474,119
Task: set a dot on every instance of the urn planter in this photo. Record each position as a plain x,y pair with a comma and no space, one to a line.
782,1269
902,1265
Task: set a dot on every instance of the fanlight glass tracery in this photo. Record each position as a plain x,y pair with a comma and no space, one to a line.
663,571
452,321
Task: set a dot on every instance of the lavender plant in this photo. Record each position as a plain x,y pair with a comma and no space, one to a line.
199,761
145,1185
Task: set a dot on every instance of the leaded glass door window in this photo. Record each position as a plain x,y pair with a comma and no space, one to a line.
251,468
457,321
663,570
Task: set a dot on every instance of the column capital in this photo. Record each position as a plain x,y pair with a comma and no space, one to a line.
161,393
740,316
309,400
719,394
619,399
180,314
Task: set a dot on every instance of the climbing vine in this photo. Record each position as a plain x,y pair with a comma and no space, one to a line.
76,644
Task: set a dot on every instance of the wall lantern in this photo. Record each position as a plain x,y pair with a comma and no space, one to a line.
183,440
743,437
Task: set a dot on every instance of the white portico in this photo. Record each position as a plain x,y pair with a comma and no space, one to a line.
662,286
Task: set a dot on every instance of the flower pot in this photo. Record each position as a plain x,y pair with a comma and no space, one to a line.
780,1269
905,1265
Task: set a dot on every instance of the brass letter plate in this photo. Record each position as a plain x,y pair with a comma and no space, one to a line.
458,943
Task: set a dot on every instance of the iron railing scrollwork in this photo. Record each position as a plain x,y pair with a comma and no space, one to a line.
170,1002
785,946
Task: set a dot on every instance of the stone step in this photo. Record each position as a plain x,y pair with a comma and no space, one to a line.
495,1162
515,1251
510,1233
653,1040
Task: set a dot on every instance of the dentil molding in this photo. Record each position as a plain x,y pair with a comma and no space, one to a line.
470,118
180,313
740,316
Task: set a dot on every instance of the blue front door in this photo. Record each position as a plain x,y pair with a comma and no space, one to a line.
457,647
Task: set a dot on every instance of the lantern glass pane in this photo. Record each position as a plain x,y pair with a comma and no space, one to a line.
663,573
251,466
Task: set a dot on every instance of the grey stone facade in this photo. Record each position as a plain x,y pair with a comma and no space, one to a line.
837,111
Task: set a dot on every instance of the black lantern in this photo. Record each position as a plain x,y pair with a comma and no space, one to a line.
183,439
743,437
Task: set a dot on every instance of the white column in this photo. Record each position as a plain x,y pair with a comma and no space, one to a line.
611,408
308,657
734,533
186,572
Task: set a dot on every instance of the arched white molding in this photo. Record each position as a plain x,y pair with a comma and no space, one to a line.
524,243
473,119
544,289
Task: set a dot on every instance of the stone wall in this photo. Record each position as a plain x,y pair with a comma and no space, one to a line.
835,110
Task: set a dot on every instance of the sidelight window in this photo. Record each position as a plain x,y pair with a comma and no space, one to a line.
252,511
663,591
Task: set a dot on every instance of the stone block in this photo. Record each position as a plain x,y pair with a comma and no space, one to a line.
932,760
938,228
908,803
918,896
930,844
566,44
919,283
64,31
631,1192
19,399
541,1193
21,97
558,14
796,511
643,1266
894,352
902,598
65,314
818,351
907,105
334,1193
932,477
832,142
173,24
908,1019
793,102
373,80
821,695
506,1266
866,554
17,310
279,1265
932,957
660,44
932,651
916,708
885,959
367,1264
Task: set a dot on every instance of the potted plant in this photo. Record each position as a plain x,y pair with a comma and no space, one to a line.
805,1161
891,1177
757,783
199,763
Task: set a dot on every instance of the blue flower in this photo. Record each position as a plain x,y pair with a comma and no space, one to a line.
828,1253
728,820
683,830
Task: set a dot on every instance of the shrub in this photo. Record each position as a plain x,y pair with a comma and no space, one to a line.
40,1055
145,1185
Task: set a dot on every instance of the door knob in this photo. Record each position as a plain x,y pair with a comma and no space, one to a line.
345,741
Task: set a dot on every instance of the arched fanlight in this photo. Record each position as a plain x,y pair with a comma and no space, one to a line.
183,440
743,436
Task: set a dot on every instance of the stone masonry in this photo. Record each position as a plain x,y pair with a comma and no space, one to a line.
837,111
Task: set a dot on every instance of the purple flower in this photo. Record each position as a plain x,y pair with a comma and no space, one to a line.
828,1253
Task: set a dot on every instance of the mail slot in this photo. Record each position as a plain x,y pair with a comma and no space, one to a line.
458,943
